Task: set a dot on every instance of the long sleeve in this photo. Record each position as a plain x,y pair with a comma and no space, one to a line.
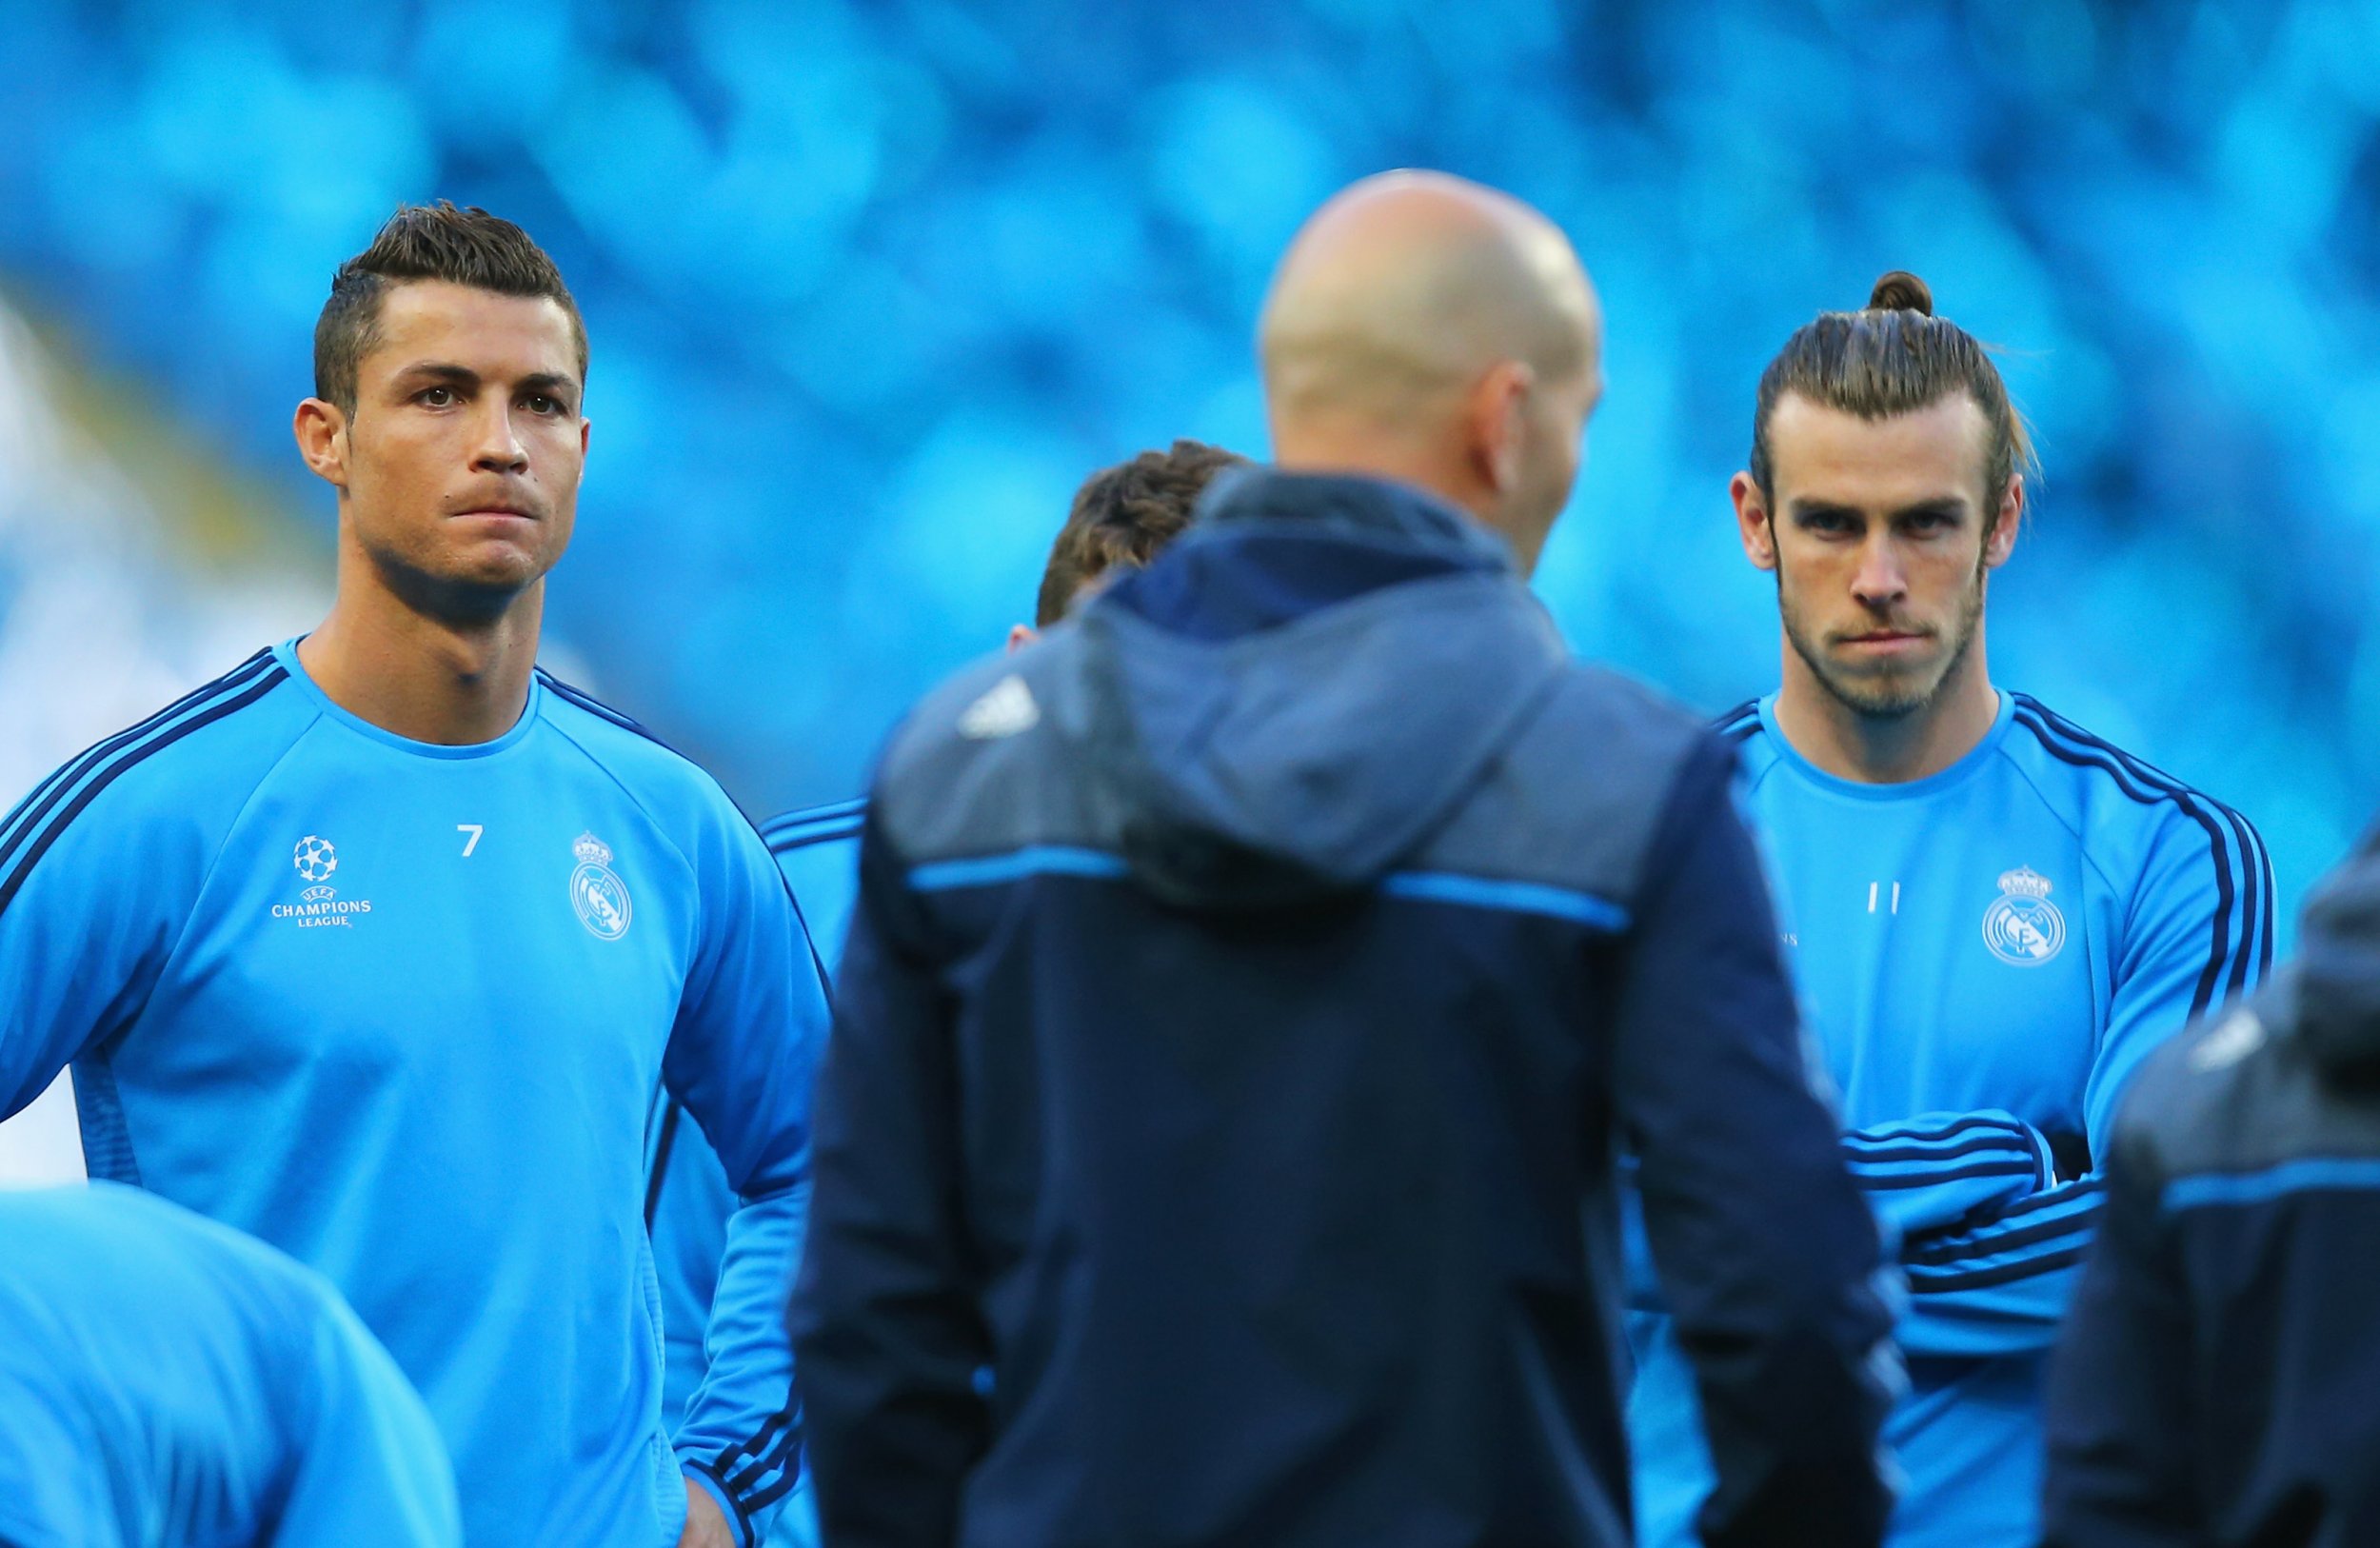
1921,1174
1998,1280
1937,1169
1767,1257
885,1317
743,1058
2119,1473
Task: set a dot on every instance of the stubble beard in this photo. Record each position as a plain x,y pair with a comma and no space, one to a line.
434,591
1892,694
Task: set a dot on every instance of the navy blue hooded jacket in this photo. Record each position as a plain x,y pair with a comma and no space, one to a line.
2219,1379
1252,985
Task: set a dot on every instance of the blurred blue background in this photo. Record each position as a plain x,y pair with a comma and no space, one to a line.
871,286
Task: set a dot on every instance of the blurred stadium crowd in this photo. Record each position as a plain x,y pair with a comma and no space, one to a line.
871,286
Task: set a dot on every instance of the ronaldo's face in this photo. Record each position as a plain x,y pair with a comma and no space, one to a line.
1881,545
462,458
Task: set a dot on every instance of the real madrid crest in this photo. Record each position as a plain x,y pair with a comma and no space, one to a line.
2024,929
601,896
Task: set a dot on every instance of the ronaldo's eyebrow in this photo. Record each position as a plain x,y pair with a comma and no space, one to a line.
439,370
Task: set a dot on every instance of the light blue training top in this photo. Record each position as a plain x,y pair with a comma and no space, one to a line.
399,1009
1985,955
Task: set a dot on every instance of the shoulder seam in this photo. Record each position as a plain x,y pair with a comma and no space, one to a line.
581,699
313,718
650,816
1754,775
2081,841
2168,785
111,758
2252,902
693,871
34,806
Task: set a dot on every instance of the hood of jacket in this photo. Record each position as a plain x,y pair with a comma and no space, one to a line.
1304,687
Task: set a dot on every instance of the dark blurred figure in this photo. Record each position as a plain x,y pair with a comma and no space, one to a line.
1252,983
2219,1382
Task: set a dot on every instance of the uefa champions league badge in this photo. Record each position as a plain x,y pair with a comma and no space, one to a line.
317,860
600,898
2024,929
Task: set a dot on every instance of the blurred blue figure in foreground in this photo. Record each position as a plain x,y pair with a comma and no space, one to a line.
167,1382
2219,1383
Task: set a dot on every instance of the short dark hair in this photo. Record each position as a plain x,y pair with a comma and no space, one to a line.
1126,515
427,242
1893,357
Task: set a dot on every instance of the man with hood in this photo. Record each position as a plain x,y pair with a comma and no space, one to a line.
1252,983
2219,1379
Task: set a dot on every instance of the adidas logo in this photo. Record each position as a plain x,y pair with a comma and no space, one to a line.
1006,710
2240,1035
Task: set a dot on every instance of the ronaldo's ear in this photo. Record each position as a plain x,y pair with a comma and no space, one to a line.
320,428
2005,523
1020,635
1753,525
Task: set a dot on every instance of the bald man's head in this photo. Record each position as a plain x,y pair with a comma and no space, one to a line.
1428,328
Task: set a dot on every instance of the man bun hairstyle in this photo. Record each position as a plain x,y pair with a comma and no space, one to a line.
427,242
1893,357
1126,515
1897,290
